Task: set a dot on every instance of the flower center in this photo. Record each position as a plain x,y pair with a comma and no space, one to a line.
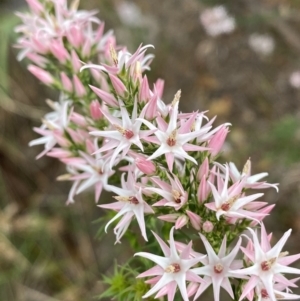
267,264
133,200
218,268
229,203
171,141
264,294
126,133
173,268
130,199
177,196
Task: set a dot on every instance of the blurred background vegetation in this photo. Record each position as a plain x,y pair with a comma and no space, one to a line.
48,251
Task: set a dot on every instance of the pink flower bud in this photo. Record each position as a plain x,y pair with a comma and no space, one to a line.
203,190
86,49
39,46
105,96
41,74
203,169
145,166
117,84
35,6
95,110
207,226
181,221
75,36
79,88
75,61
144,94
78,119
194,219
37,59
217,141
66,82
99,32
159,87
151,111
171,218
59,51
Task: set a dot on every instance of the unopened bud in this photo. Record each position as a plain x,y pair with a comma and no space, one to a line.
181,221
95,110
207,226
145,166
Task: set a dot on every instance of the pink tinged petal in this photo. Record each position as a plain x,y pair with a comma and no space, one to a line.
161,261
153,280
264,240
122,226
164,280
78,86
287,260
66,82
123,211
139,214
210,252
222,250
187,126
76,64
98,190
275,251
170,160
105,96
248,253
72,193
169,289
182,287
44,76
227,286
117,206
231,256
249,286
203,286
118,85
283,281
284,269
191,276
163,245
156,270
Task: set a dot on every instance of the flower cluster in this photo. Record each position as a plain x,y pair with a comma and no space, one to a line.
110,120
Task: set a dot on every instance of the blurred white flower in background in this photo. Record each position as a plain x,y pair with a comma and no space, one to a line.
261,43
295,79
216,21
130,14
